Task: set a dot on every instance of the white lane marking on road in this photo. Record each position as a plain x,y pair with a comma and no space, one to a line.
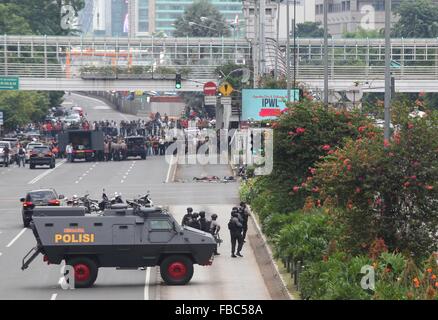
16,237
100,101
38,178
53,297
101,108
146,284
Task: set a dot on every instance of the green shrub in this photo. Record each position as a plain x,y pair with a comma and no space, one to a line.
307,238
386,189
337,278
275,222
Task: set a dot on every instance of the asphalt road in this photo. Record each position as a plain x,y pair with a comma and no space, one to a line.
227,279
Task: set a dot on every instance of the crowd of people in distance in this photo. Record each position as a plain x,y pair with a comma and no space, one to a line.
238,226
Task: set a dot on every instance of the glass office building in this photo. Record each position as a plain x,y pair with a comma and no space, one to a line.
147,17
167,11
119,11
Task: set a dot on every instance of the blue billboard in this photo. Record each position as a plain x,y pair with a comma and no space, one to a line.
265,104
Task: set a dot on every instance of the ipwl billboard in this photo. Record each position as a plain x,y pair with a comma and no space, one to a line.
265,104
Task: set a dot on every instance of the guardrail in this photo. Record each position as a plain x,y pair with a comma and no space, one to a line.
351,59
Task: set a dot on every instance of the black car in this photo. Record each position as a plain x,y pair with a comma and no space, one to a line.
44,198
42,156
136,147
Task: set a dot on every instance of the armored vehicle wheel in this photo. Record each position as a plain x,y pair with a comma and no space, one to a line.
32,166
85,271
143,157
176,270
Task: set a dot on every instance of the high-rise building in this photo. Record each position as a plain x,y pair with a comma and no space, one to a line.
110,18
147,17
350,15
119,18
305,12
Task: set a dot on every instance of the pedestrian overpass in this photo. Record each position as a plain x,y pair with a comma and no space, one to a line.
103,64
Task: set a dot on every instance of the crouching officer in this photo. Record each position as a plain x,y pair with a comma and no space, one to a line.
235,226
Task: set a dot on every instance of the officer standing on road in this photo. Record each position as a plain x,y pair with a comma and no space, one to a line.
6,156
187,217
244,214
235,226
194,223
21,156
205,224
214,230
69,151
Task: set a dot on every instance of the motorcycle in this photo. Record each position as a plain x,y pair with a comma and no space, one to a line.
89,204
145,200
73,201
117,199
105,203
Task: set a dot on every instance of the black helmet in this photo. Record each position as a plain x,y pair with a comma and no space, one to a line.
243,204
234,214
214,216
235,209
195,215
202,214
189,210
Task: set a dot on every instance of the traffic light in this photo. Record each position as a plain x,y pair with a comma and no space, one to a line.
178,81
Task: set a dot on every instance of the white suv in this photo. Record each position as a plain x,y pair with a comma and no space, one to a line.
3,144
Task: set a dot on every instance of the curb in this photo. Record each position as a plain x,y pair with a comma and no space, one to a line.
276,285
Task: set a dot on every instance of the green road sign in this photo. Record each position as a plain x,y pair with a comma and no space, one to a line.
395,64
9,83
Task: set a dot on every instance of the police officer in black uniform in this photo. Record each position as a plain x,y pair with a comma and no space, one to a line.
194,223
205,224
244,215
187,217
236,227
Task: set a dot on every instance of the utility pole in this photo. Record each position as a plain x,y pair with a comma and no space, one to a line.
326,67
295,44
262,16
288,51
278,36
256,45
388,92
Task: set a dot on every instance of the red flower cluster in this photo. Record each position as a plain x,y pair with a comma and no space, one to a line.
326,147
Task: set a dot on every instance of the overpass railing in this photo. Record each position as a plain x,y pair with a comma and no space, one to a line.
68,57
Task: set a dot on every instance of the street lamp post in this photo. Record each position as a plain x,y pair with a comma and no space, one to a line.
278,35
326,82
288,51
191,23
387,69
234,26
295,44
